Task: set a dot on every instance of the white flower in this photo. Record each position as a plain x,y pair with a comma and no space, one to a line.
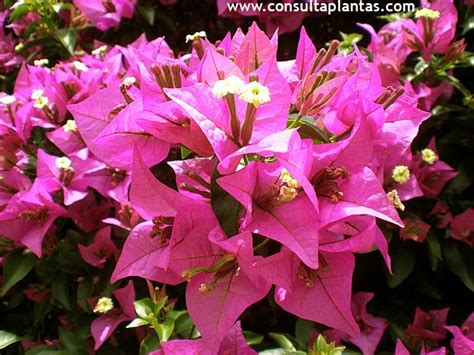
36,94
428,13
63,163
98,51
40,100
230,85
401,174
70,126
429,156
129,81
41,62
255,93
104,304
195,36
79,66
7,99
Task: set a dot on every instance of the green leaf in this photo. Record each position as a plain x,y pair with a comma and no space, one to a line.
434,250
284,341
321,346
468,24
137,322
148,12
19,11
144,308
60,291
71,342
7,339
252,338
460,259
165,329
226,208
184,326
308,129
303,330
403,263
67,37
60,6
185,152
84,290
281,351
15,267
42,349
149,344
41,309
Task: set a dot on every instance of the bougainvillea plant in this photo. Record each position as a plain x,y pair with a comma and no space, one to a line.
226,200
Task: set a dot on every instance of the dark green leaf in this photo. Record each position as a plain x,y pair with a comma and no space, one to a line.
148,12
184,326
42,349
149,344
226,208
41,309
15,267
84,290
67,37
71,342
403,262
460,259
303,330
60,291
434,250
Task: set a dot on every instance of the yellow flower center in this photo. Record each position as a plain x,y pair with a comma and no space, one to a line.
288,179
429,156
104,304
286,194
428,13
401,174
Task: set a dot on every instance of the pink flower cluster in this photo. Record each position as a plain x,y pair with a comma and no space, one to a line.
105,14
271,173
